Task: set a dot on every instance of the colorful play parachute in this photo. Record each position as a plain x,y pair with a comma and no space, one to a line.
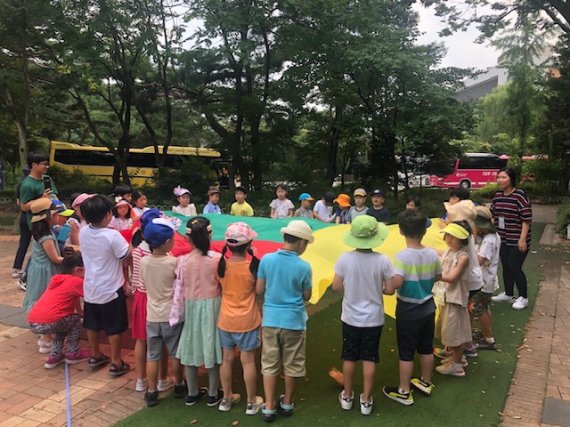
322,254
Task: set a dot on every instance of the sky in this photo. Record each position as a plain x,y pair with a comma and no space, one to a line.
462,51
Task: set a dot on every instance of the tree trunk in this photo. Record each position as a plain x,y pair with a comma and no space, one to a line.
256,168
23,147
333,142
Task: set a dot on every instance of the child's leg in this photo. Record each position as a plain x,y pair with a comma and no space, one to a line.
406,371
226,371
213,380
426,363
152,374
369,371
348,368
177,369
73,333
457,353
269,382
249,374
192,380
163,365
270,363
140,359
154,353
485,320
93,339
289,389
115,344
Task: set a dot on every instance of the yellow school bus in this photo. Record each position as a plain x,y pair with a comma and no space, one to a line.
99,161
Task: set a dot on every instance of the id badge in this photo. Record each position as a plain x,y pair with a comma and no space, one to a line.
502,223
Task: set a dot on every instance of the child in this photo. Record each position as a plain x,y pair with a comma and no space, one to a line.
239,320
417,268
105,307
305,210
378,210
61,227
123,192
44,261
139,306
240,207
121,216
323,209
488,255
212,206
76,222
200,338
54,313
453,326
184,206
281,207
362,276
139,203
414,203
284,280
342,213
158,273
359,207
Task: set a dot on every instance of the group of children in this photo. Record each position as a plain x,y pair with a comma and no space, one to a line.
197,309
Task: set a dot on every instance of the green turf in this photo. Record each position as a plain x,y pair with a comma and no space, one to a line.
476,399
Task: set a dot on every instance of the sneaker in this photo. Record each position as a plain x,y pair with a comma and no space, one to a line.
215,400
54,361
44,349
16,274
440,353
471,352
286,409
118,370
346,402
151,398
180,390
141,385
227,403
486,345
520,303
268,415
421,385
192,400
463,362
254,407
394,394
81,356
366,406
503,297
164,385
95,362
22,283
453,369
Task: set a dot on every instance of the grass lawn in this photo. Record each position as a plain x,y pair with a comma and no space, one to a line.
476,399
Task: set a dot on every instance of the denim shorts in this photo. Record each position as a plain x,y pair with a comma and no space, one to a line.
245,341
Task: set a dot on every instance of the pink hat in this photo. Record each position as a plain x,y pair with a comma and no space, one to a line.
80,199
122,202
239,233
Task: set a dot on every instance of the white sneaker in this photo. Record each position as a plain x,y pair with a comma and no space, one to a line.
453,369
16,274
227,403
141,385
164,385
521,303
346,402
366,406
254,407
503,297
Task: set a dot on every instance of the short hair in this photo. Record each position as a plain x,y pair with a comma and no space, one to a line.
37,157
291,239
460,193
281,187
137,194
415,199
96,208
122,189
70,262
511,173
412,224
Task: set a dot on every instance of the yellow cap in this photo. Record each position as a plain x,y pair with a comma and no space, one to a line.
456,231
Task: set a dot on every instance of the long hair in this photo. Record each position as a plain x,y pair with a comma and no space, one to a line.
239,250
198,232
41,228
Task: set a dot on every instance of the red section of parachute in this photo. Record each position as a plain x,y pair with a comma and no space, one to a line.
260,247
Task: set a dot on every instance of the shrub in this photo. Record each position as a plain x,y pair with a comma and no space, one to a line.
563,219
68,183
487,192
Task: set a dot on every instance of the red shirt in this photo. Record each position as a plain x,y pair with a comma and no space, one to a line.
59,299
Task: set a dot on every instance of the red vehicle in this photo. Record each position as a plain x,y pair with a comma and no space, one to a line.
473,170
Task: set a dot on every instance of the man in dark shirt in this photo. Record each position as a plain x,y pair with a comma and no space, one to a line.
378,210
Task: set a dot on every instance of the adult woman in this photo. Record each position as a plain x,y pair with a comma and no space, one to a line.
513,216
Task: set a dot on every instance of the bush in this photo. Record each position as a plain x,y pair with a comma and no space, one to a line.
487,192
563,219
68,183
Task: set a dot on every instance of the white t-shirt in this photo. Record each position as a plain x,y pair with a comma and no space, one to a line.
189,210
324,211
363,275
282,207
103,250
489,249
353,212
474,278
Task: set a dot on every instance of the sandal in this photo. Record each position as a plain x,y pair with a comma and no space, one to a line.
118,370
95,362
268,415
286,409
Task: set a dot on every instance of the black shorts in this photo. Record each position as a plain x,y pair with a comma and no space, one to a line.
415,335
111,317
360,343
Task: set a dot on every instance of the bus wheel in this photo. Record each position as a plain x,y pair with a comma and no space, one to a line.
465,184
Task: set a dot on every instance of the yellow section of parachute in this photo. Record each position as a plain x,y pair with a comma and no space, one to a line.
328,246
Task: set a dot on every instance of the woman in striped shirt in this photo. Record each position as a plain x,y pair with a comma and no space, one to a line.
513,216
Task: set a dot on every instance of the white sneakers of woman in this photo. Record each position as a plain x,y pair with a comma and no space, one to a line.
503,297
520,303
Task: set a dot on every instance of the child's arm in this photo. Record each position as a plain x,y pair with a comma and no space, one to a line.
390,285
78,308
456,271
272,213
290,213
51,251
74,233
338,283
307,294
260,286
482,260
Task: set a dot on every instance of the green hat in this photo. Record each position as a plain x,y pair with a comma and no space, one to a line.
366,233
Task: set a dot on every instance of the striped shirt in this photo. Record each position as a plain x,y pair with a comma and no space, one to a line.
138,254
419,268
510,212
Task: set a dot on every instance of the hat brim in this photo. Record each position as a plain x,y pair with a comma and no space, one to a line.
67,212
485,225
296,233
213,192
366,243
42,215
454,233
359,194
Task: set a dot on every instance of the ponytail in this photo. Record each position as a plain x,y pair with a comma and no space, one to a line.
198,232
254,265
222,263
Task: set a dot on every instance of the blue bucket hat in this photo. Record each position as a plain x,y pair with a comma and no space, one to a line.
305,196
157,232
148,216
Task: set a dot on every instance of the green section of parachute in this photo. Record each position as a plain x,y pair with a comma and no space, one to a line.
266,228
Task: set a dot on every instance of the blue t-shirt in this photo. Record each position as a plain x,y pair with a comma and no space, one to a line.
286,278
210,208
